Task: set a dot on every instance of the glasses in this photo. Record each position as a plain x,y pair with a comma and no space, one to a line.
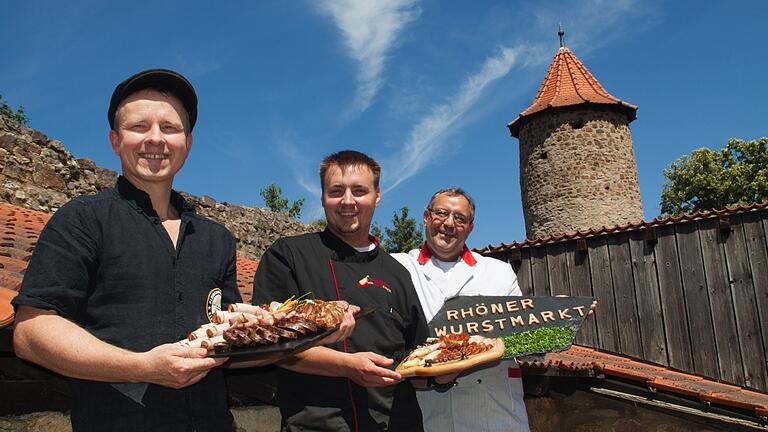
442,215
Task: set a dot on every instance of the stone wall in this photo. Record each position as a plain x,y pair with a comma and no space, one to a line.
254,228
577,171
40,174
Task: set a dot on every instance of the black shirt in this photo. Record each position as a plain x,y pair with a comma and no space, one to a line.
106,263
325,265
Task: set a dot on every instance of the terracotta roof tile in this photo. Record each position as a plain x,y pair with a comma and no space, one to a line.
632,370
6,310
630,226
246,268
744,399
654,376
569,83
10,280
19,230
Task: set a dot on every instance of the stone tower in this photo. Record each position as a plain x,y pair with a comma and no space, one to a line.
577,165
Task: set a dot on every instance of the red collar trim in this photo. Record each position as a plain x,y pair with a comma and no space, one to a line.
466,255
373,240
425,254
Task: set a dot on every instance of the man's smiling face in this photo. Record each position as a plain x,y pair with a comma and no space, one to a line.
151,138
349,199
448,223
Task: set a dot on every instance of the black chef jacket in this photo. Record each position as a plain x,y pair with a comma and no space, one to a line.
106,263
330,269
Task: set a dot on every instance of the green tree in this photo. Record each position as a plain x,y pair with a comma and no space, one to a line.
708,179
376,232
19,116
273,198
404,235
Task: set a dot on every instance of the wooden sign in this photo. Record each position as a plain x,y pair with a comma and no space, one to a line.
498,316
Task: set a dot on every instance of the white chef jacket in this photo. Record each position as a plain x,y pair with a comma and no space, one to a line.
488,397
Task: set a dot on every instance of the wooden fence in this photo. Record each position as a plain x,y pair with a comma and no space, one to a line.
690,295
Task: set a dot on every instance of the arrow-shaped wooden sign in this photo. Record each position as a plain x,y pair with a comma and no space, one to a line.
528,324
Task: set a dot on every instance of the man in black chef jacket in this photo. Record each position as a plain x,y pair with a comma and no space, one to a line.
349,386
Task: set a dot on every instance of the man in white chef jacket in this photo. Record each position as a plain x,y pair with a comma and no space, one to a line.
488,397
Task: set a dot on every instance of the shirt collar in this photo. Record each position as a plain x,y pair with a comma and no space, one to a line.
344,252
142,201
425,254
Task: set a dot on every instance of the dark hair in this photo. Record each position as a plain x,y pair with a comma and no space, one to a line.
455,191
348,158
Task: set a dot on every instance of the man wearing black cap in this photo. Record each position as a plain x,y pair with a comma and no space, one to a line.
117,277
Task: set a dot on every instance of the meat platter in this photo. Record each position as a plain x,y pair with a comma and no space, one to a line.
270,331
284,347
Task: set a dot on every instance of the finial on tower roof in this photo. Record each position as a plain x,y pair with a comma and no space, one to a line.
561,33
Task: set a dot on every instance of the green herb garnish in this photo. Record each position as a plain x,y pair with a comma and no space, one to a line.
541,340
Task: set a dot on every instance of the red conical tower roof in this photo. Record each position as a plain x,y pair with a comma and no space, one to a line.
569,83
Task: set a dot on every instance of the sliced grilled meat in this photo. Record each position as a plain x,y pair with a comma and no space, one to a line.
288,334
293,326
266,334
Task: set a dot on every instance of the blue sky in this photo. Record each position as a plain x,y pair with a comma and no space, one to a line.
426,87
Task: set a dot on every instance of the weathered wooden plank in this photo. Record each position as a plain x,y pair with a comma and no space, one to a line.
757,248
624,294
581,285
745,306
539,271
699,311
726,334
558,269
602,285
654,345
523,271
673,300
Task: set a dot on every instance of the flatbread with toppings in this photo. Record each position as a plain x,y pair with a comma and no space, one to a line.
450,354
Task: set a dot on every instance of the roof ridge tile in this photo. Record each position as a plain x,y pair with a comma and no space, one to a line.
654,376
632,225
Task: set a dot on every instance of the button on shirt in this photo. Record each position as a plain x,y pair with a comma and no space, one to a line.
107,263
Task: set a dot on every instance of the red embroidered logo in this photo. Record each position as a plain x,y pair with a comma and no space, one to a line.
368,280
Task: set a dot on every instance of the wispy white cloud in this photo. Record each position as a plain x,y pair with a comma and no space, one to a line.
428,135
301,165
298,159
596,21
370,30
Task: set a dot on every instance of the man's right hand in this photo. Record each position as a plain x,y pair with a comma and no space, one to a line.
175,366
370,370
344,331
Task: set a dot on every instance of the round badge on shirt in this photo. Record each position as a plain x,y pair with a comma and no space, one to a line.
213,303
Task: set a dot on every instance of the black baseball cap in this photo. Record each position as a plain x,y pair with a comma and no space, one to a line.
161,79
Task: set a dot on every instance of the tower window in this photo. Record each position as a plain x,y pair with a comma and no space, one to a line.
543,155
